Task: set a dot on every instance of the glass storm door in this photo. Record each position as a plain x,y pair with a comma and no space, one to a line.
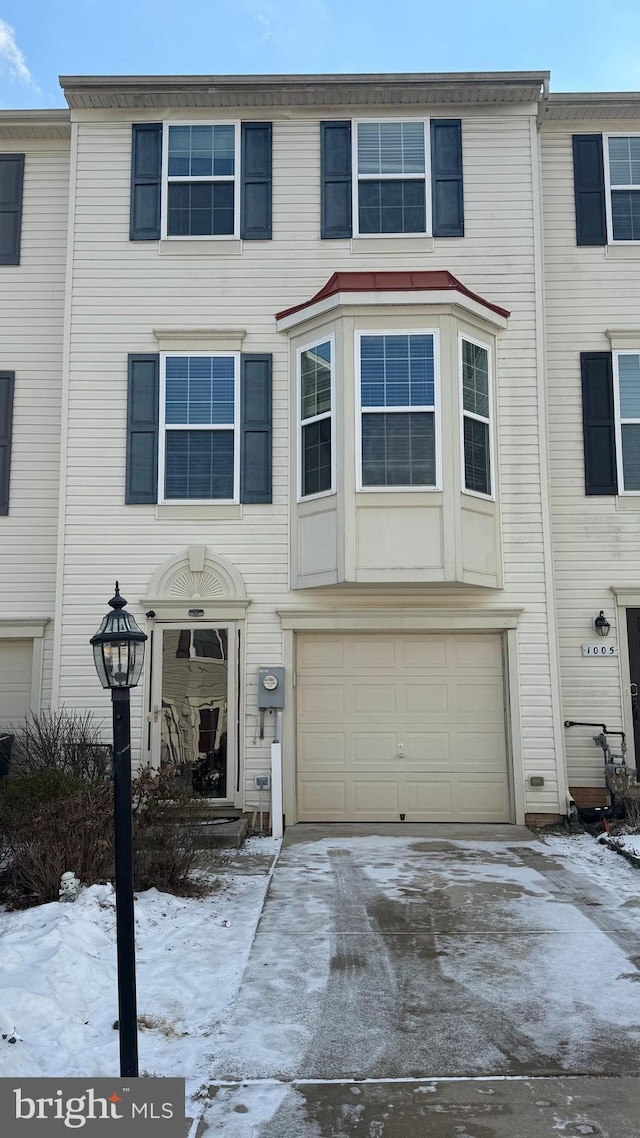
193,706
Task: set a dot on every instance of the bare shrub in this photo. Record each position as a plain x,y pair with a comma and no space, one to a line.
66,741
164,834
51,822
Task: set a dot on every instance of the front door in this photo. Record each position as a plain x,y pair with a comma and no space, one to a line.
192,706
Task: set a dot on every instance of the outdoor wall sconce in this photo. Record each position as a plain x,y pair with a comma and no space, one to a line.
601,624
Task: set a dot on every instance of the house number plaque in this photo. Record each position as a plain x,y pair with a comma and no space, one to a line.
599,649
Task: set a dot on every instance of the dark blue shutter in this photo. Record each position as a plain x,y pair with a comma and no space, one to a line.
446,178
7,379
11,181
255,428
255,202
142,429
598,423
335,176
588,187
146,180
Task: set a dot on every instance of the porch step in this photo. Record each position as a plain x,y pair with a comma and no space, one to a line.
222,833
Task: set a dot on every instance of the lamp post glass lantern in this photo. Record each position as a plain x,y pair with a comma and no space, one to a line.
118,653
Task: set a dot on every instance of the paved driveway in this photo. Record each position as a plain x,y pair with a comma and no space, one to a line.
422,954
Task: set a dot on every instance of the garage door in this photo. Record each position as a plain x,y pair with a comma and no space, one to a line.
15,680
401,724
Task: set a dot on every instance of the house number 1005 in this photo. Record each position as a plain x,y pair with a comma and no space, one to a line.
599,650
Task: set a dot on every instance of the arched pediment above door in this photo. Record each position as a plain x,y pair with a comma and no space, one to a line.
197,579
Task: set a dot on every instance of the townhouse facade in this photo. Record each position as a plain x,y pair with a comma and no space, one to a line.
297,360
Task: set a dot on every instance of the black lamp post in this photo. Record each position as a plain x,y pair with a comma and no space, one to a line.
118,653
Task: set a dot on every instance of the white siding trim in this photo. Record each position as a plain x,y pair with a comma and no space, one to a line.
64,421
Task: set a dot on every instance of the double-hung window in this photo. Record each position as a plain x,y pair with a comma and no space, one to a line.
476,416
626,370
201,195
199,459
315,387
391,187
622,172
397,384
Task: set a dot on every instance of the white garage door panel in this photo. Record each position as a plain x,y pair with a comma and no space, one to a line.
15,680
401,724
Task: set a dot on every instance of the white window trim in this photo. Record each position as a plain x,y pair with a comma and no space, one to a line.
164,427
491,497
426,177
607,183
330,339
413,410
618,421
235,178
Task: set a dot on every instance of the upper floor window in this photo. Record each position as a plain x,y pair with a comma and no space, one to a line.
199,428
201,197
476,416
391,187
315,381
622,168
397,393
627,405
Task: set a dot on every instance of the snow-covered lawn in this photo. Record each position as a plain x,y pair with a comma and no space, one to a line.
58,997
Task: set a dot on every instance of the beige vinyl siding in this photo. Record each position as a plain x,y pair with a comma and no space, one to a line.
596,543
31,334
123,290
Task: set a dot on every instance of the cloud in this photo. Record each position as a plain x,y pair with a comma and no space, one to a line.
11,58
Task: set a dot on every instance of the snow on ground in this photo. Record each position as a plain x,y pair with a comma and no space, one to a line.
58,995
628,842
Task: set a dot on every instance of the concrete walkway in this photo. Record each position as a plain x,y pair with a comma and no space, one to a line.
480,985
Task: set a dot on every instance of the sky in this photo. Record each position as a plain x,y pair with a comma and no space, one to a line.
588,45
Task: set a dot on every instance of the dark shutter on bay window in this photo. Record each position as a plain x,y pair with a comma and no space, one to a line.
335,177
142,429
589,190
146,179
446,178
255,428
255,202
7,379
598,423
11,183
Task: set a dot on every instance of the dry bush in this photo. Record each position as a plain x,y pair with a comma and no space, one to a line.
164,835
51,822
66,741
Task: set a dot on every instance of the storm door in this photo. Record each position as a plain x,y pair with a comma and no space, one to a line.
193,720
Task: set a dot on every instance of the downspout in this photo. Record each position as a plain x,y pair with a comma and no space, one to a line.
564,797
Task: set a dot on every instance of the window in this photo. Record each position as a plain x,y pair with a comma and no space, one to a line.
316,420
201,196
622,170
397,386
627,406
198,435
476,416
391,187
